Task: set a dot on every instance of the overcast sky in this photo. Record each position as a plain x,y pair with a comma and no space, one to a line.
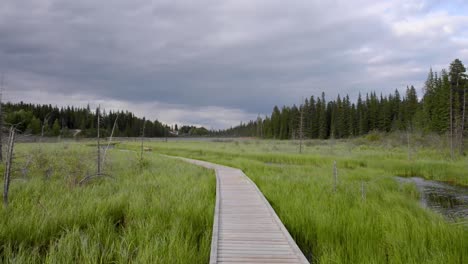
218,62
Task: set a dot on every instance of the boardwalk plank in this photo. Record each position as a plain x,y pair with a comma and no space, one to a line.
246,229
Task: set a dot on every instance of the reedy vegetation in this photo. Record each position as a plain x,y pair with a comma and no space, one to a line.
389,226
161,213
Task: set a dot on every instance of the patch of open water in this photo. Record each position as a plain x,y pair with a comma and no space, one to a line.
448,200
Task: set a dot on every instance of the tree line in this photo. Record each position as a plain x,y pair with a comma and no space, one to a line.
48,120
441,109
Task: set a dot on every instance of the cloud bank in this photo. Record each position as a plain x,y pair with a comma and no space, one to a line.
216,63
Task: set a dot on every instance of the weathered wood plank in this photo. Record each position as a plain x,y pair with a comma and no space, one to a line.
246,229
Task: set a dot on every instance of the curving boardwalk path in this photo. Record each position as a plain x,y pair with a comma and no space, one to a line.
246,229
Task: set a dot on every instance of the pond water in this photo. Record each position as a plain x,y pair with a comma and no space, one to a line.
448,200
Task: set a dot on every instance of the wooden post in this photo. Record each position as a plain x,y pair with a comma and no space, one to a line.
9,159
335,175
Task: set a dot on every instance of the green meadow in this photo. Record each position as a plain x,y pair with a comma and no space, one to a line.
383,224
160,210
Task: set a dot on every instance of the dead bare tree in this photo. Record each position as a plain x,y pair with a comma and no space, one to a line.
408,135
109,141
45,122
62,131
335,176
301,128
142,138
259,127
8,165
100,161
363,191
451,123
25,167
99,172
90,177
461,75
2,82
98,141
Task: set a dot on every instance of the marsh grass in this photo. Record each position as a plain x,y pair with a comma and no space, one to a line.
389,226
161,213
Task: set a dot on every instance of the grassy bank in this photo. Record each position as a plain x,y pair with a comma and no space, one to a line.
389,156
386,226
161,213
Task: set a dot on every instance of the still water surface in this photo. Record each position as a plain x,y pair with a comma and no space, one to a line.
448,200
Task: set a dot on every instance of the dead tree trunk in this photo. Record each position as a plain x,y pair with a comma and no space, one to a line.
363,191
109,142
261,128
451,123
462,123
142,138
1,118
44,124
408,135
9,160
98,142
335,176
301,129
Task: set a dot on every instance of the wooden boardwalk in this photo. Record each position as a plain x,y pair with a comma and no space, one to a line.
246,229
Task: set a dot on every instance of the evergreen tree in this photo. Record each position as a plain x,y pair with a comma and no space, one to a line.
35,126
322,118
312,116
56,128
362,116
275,122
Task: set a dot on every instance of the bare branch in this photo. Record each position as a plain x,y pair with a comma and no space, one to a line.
90,177
98,141
110,140
2,81
142,137
46,120
9,160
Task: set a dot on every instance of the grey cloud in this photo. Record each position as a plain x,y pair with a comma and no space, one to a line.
233,54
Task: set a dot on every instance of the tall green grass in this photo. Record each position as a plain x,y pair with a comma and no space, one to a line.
161,213
426,162
388,226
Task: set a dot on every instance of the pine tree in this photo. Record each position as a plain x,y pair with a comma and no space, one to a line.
410,105
56,128
313,118
457,70
322,117
275,122
362,116
35,126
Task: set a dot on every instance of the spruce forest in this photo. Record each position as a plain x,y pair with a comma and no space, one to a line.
48,120
441,107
